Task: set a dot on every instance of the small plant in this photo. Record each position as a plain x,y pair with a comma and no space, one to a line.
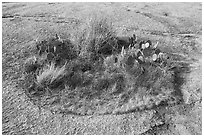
51,77
56,50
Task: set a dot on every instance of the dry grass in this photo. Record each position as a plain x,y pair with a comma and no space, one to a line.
51,76
97,36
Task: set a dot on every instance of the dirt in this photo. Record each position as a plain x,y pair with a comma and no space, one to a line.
177,26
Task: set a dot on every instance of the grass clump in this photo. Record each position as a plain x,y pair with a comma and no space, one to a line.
93,71
97,37
51,77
